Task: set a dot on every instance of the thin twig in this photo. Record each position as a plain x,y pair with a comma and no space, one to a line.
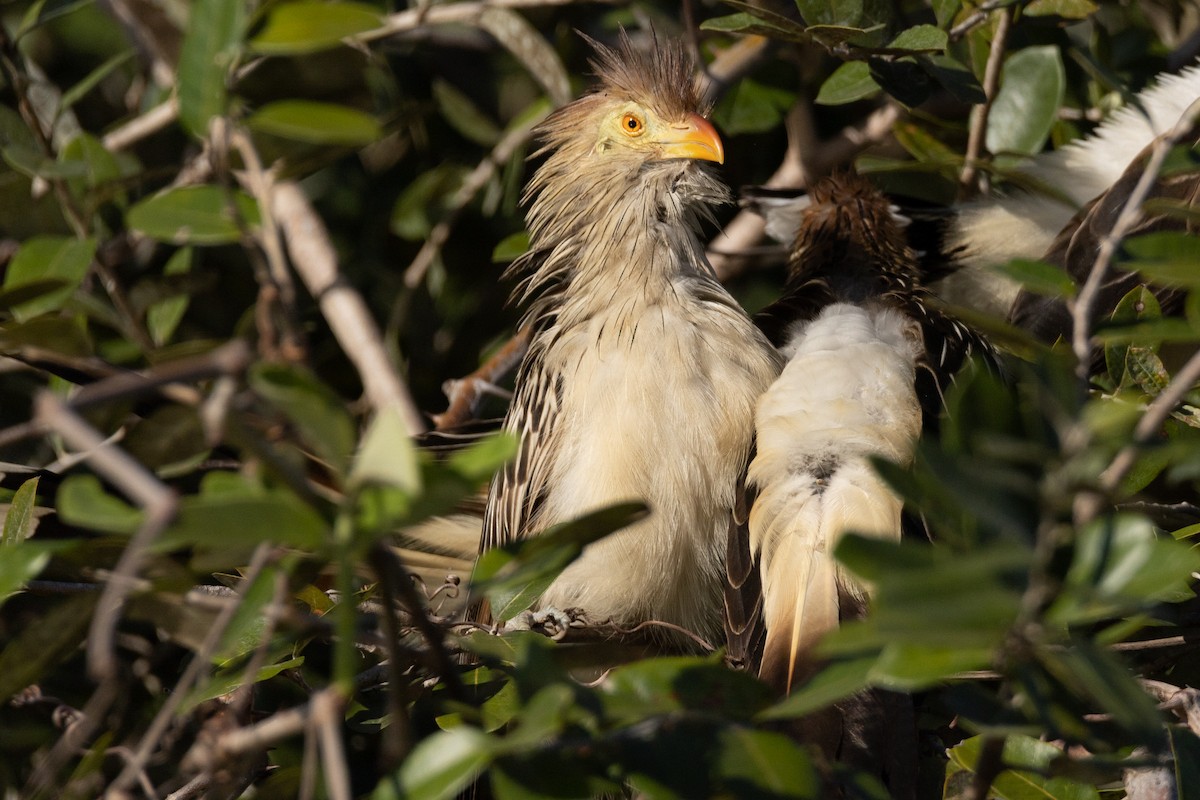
465,392
976,19
471,186
979,114
258,182
201,660
313,257
327,719
1131,213
447,14
142,126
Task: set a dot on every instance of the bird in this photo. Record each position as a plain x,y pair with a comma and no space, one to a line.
642,371
1034,221
869,358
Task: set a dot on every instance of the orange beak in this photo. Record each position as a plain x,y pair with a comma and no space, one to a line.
694,138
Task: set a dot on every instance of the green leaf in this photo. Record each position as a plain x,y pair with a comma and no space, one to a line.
1028,759
954,76
1067,9
908,668
387,455
514,576
1039,277
1098,676
233,525
511,247
1185,752
424,200
21,563
757,20
316,123
306,27
1121,566
751,108
318,414
44,258
210,50
58,633
90,81
764,764
847,13
195,215
849,82
921,145
18,522
1031,91
82,501
440,766
1167,257
921,37
529,47
835,681
945,10
463,115
674,684
224,684
163,317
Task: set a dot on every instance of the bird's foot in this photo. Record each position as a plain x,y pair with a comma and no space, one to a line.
548,621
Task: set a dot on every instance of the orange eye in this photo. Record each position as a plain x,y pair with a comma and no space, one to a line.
631,124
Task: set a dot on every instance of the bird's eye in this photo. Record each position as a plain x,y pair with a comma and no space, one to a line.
631,124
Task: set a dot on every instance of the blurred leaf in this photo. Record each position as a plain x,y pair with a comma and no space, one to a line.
316,123
1067,9
525,42
921,145
49,258
211,47
82,501
224,684
463,115
835,681
59,632
1015,783
387,455
306,27
424,200
920,37
751,108
163,317
1167,257
479,461
1185,752
22,562
1139,303
168,439
849,82
1120,566
90,81
1039,277
194,214
318,414
511,248
440,766
764,764
18,522
514,576
57,334
668,685
904,79
908,669
235,524
1032,84
1099,676
944,11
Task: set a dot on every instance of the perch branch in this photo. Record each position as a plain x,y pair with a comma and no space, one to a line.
979,114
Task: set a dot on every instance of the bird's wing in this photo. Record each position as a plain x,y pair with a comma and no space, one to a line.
744,631
1077,247
518,490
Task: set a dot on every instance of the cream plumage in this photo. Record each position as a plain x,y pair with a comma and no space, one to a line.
868,359
642,371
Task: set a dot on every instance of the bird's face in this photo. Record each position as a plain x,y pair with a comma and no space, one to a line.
632,128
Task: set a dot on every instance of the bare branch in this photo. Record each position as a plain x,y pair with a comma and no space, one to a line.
466,392
314,259
979,114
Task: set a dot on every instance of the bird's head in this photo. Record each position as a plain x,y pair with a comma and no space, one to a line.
646,108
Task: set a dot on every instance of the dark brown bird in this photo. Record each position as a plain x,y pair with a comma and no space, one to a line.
642,371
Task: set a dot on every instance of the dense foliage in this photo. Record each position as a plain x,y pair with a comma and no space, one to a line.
244,242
